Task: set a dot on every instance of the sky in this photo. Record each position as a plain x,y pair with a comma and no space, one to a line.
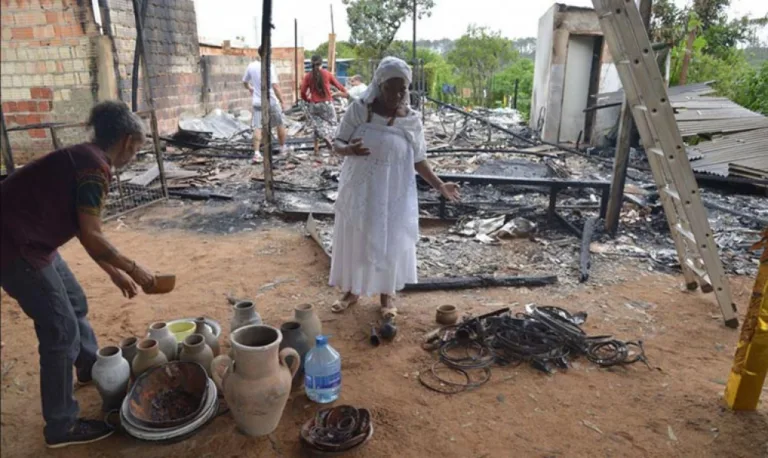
219,20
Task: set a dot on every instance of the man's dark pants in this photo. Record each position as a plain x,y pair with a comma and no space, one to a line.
54,300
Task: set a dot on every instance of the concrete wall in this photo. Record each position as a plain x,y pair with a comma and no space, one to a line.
541,70
48,55
556,27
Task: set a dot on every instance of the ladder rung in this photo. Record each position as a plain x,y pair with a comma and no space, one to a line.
671,193
701,273
656,151
685,233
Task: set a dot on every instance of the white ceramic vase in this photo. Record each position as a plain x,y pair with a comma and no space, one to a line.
111,373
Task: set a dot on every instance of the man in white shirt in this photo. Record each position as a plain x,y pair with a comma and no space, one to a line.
252,82
358,87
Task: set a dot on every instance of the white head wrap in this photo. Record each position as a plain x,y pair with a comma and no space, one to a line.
389,67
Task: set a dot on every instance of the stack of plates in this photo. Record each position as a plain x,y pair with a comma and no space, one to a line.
173,428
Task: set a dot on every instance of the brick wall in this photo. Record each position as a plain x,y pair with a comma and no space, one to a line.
224,68
173,55
48,63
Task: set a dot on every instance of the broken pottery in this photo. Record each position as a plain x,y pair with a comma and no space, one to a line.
294,337
160,332
148,355
128,348
196,350
210,339
244,314
110,375
257,382
306,315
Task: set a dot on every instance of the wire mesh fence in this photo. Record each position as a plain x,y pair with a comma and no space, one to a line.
140,184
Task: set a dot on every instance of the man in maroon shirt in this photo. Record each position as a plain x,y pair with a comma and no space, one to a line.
44,205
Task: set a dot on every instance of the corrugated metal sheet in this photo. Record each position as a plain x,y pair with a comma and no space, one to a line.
742,147
742,154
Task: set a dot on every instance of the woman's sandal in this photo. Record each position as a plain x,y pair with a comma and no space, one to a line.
343,304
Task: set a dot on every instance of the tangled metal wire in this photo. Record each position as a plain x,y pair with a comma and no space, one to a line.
542,336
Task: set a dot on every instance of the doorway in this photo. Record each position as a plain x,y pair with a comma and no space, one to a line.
579,69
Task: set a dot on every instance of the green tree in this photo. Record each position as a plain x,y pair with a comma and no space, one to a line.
753,92
478,55
374,23
504,84
344,50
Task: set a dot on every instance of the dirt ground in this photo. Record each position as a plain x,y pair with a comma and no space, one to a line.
674,409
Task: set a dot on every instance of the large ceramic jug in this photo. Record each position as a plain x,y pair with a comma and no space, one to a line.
257,382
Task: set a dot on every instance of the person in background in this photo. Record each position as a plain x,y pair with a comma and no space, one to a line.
358,87
377,213
316,91
252,82
45,204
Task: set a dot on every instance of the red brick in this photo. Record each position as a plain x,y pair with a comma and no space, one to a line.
22,33
37,133
10,107
53,17
44,106
45,32
42,93
10,119
27,106
65,31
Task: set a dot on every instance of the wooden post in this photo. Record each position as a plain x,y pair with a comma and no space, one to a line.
415,14
750,363
266,83
332,53
150,94
6,146
332,47
296,61
687,57
514,103
621,158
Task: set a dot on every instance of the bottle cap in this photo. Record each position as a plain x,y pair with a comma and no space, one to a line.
321,340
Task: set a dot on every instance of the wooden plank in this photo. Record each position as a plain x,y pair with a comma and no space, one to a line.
147,177
620,164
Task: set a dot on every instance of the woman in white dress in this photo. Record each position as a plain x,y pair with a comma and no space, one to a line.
377,215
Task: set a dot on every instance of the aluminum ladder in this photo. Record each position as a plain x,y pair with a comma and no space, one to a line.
646,94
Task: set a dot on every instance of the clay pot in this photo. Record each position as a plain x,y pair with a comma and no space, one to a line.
128,347
244,314
257,382
194,349
160,332
148,355
310,323
210,339
294,337
447,315
111,373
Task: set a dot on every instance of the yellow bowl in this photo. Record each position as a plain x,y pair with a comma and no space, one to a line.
182,330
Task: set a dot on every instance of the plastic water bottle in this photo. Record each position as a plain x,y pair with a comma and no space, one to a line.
322,372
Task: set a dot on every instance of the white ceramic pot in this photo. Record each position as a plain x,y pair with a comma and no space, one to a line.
111,373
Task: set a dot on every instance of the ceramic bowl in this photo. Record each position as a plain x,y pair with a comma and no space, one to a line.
213,325
447,315
182,329
169,395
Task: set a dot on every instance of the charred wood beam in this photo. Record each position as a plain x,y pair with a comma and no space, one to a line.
480,281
